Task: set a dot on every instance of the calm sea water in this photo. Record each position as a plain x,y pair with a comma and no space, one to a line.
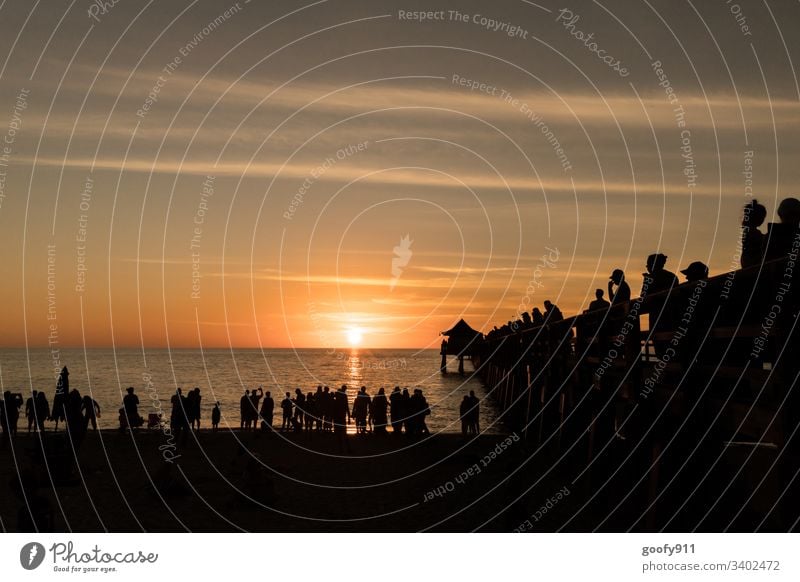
224,375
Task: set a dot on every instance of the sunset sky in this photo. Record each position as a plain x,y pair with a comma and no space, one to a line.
257,196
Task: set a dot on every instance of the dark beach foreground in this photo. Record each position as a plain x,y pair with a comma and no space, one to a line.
235,481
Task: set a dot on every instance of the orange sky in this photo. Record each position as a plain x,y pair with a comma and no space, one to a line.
332,133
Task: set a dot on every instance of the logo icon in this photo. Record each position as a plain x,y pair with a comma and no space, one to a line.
402,254
31,555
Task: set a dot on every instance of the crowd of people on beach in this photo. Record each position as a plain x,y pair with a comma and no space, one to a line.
320,411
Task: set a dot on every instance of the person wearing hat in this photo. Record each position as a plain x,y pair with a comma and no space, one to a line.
695,272
657,277
618,289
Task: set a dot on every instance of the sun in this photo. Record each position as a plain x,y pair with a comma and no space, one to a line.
354,336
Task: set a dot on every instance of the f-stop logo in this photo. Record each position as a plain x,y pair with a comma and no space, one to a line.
31,555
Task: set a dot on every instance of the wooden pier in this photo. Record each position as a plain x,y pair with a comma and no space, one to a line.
665,388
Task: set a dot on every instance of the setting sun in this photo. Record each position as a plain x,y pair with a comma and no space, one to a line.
354,336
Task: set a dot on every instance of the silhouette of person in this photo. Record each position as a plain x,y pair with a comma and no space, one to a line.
193,399
696,271
267,411
42,410
255,398
599,302
30,410
419,411
299,408
618,289
286,407
341,410
130,406
361,410
395,402
75,421
10,413
474,413
91,412
753,241
463,412
179,419
657,278
59,400
319,407
311,412
405,411
379,411
537,318
781,236
552,313
327,409
244,410
216,416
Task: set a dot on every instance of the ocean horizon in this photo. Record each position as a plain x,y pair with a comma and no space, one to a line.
223,374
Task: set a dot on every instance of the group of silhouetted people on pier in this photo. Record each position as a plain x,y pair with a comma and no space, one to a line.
757,247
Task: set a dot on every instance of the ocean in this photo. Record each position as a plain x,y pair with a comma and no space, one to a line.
223,375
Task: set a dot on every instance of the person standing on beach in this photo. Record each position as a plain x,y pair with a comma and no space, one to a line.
244,409
42,410
463,412
474,419
267,411
255,398
91,411
299,408
59,400
178,419
286,406
341,410
30,410
395,401
130,407
378,412
319,402
216,414
405,412
361,410
196,407
327,409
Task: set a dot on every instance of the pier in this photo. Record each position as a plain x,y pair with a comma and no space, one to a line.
663,395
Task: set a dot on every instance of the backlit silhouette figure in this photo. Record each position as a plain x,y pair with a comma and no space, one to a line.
753,241
396,404
130,409
599,302
286,407
618,289
361,410
91,412
695,272
30,410
267,411
216,415
378,412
